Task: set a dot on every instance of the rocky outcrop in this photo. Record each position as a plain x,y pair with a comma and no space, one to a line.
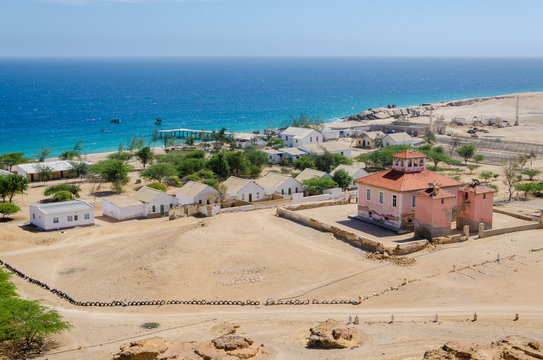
330,335
225,328
510,348
147,349
229,347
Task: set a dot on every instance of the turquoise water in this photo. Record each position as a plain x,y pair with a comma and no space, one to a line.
56,102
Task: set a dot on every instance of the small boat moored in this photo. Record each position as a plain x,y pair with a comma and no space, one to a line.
115,121
158,121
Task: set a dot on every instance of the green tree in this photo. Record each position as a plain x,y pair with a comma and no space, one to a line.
144,155
62,195
8,160
67,155
342,178
190,166
78,149
254,171
477,158
11,185
256,157
195,154
192,177
136,143
214,183
173,181
206,174
341,160
158,186
80,169
531,173
305,162
43,153
120,155
114,172
317,185
45,173
238,163
7,288
73,189
159,171
276,143
512,172
381,158
7,209
472,167
305,121
218,164
486,175
325,162
466,152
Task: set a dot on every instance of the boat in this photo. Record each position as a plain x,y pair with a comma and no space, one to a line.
115,121
158,121
104,130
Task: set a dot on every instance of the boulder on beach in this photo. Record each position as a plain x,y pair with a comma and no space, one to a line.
330,334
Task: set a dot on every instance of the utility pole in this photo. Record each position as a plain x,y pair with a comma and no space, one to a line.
516,117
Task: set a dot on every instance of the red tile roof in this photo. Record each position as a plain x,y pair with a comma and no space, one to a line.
430,193
409,154
400,181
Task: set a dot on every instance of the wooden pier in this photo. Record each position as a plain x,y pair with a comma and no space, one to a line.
186,133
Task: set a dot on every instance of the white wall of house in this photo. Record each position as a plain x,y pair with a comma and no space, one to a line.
388,140
124,213
286,188
160,205
250,192
314,137
60,220
274,158
330,134
205,197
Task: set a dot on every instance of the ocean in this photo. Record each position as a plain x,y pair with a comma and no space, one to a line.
57,102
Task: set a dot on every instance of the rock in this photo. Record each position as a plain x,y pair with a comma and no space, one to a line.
225,328
231,342
229,347
329,335
147,349
509,348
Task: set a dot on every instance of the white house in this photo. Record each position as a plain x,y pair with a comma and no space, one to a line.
295,137
122,207
62,215
333,147
292,153
274,156
156,202
5,172
59,169
368,139
401,138
330,134
354,171
275,183
308,173
243,189
196,193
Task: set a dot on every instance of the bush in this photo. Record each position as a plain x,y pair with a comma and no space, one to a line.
74,189
492,186
120,155
7,209
317,185
192,177
62,195
158,186
214,183
159,171
206,174
342,178
150,325
190,166
305,162
174,181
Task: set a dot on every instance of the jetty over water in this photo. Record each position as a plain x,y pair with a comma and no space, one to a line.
186,133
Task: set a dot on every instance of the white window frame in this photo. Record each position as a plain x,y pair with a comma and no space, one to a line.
87,216
70,218
368,194
55,220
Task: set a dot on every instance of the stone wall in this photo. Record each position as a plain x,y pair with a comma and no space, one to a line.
493,232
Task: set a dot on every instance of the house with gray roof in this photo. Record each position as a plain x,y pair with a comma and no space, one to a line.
295,136
196,193
281,184
62,215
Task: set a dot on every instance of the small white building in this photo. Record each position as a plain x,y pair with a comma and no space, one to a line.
368,139
62,215
156,202
401,138
122,207
354,171
333,147
196,193
275,183
243,189
292,153
5,172
274,156
295,136
308,173
59,169
330,134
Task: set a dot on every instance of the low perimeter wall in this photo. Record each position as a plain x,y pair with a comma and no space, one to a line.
400,249
493,232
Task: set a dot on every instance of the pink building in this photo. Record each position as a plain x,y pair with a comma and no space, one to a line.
387,198
475,204
433,212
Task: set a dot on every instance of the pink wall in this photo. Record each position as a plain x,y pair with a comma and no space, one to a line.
432,212
476,208
380,211
408,165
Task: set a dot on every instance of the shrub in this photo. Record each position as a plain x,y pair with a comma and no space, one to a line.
214,183
158,186
174,181
62,195
74,189
342,178
150,325
7,209
192,177
317,185
159,171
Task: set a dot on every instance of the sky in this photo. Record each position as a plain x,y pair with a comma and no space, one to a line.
156,28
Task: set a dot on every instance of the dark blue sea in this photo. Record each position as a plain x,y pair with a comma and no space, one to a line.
56,102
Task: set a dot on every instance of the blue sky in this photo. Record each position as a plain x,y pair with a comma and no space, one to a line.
271,28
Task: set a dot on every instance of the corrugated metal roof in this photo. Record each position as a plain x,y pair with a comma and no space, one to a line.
298,132
401,136
235,184
293,151
351,170
308,173
61,165
146,194
63,207
123,201
326,146
273,180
